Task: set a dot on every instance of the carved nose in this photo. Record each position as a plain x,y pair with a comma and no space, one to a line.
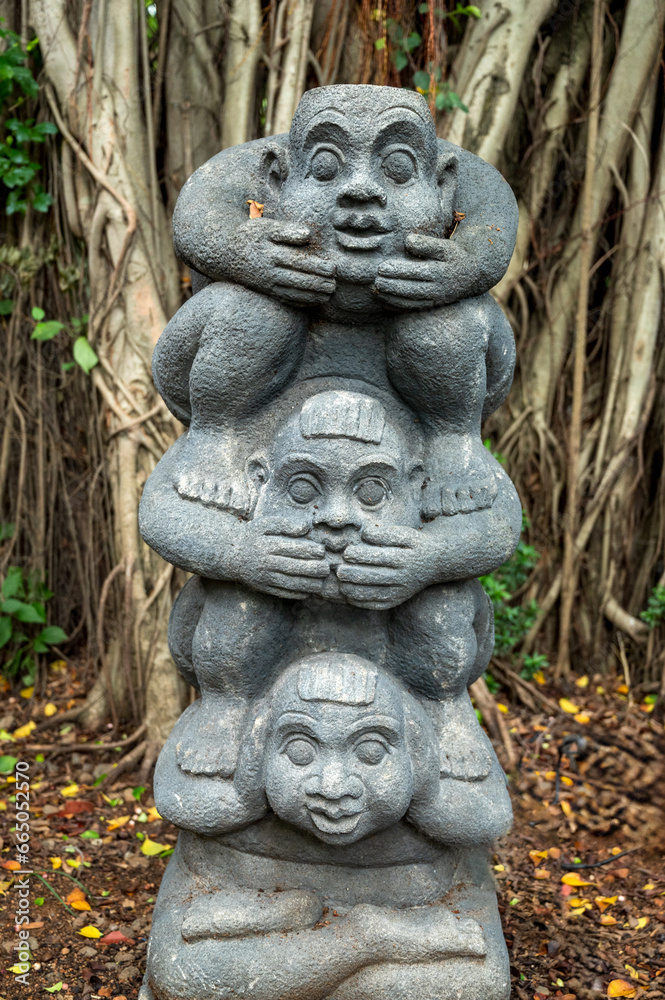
360,191
335,514
335,784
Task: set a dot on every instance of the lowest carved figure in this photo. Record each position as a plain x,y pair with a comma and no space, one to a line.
332,495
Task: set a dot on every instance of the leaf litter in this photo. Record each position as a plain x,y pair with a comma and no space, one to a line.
581,922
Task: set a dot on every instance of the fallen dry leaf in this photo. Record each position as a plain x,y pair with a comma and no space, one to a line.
255,209
602,902
24,731
572,878
538,856
151,848
117,823
69,790
607,920
90,932
568,706
116,937
50,709
620,988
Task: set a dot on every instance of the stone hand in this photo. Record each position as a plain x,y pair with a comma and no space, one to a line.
276,258
432,280
384,569
276,558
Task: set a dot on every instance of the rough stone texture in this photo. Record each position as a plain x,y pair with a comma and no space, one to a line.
335,792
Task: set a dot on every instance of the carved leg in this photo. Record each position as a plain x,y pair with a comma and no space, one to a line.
228,642
250,347
452,365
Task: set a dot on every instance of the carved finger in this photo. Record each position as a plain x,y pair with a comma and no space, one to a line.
297,297
295,528
308,265
411,270
395,302
298,567
390,536
400,289
288,278
372,598
299,549
429,246
288,232
294,585
372,555
372,576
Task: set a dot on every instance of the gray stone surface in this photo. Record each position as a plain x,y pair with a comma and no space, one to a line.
332,495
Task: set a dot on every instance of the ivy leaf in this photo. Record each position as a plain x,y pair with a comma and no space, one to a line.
6,306
29,613
5,630
52,634
48,330
38,313
42,200
400,61
421,80
413,41
13,583
380,43
84,354
7,764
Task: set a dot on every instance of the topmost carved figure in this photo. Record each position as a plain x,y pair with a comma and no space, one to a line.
351,275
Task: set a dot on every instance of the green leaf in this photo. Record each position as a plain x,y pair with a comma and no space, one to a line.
48,330
38,313
401,61
99,780
41,200
5,630
6,306
29,613
84,355
68,365
138,792
13,582
473,12
54,989
423,8
421,80
39,901
413,41
52,634
7,764
90,835
379,44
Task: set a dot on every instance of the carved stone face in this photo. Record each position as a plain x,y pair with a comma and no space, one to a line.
363,173
337,760
341,483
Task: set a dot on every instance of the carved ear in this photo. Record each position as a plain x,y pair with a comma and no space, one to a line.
258,473
446,171
274,166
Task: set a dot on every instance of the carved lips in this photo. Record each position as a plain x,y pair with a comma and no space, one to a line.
360,230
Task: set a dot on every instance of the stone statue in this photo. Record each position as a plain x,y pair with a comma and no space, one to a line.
332,495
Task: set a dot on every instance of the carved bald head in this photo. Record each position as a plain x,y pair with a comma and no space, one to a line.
340,752
341,462
363,171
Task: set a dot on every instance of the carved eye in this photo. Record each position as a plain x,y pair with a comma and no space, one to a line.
303,490
324,165
372,492
399,166
370,752
300,752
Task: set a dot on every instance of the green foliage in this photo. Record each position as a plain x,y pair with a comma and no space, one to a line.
84,354
18,172
23,629
445,99
655,610
513,621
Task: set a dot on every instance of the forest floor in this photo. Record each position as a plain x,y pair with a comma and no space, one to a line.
98,853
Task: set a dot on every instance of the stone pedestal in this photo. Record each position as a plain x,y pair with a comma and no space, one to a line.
332,495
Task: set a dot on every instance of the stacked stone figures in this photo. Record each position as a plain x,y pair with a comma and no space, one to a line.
335,793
